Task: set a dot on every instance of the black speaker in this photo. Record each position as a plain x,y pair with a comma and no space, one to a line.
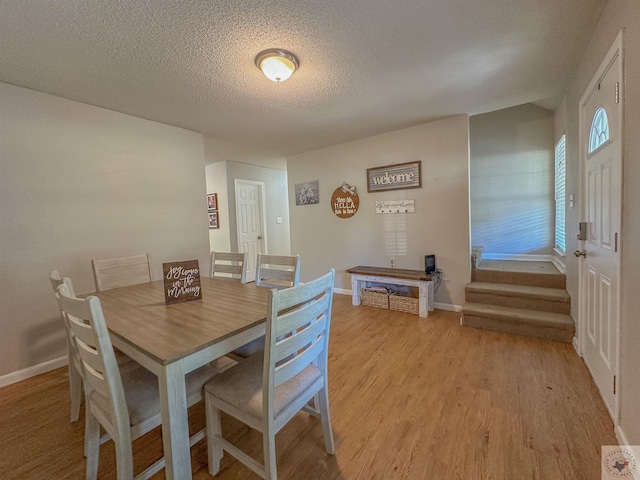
429,264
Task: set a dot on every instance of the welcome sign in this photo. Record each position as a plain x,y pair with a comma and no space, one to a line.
400,176
181,281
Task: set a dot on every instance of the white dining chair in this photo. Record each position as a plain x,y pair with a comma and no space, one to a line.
277,271
229,265
124,399
74,366
272,271
266,391
121,272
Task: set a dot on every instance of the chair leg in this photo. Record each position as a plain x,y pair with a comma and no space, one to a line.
269,448
87,414
91,444
75,391
124,457
325,418
214,427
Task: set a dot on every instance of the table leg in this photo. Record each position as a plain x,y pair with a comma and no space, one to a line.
175,421
355,290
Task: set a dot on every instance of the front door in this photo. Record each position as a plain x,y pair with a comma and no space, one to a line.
249,214
600,255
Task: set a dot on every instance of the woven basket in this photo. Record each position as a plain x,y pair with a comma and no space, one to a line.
401,303
374,299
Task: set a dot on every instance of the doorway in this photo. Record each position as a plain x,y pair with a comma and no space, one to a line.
599,269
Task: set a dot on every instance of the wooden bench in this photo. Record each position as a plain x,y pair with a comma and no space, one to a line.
362,277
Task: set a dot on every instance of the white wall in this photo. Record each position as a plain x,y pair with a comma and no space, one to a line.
440,224
218,150
617,15
79,182
512,181
219,238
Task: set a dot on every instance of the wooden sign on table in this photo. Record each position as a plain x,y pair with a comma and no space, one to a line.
181,281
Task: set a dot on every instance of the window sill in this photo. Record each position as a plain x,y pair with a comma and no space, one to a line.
559,252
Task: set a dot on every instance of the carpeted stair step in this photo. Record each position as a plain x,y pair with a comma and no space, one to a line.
549,280
529,323
519,296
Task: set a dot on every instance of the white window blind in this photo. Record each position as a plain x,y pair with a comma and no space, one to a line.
560,168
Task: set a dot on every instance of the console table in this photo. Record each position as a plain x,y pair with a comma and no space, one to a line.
362,276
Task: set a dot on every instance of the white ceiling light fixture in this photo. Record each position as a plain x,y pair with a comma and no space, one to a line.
277,64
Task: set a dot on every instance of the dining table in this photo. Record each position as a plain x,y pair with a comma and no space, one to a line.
173,340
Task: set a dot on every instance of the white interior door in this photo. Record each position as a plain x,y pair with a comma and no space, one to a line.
600,256
250,221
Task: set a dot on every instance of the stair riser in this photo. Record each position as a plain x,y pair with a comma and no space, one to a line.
520,278
524,330
530,303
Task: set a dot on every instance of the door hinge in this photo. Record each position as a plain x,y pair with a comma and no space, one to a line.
615,242
617,92
614,384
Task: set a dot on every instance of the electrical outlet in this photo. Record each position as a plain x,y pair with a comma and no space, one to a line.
392,261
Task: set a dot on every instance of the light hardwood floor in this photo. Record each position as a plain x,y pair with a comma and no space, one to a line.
411,398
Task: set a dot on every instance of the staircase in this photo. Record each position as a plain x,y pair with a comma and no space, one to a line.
523,298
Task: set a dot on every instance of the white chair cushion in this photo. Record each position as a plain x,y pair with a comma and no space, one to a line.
241,386
141,390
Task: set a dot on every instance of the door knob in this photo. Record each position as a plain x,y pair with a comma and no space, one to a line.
579,253
259,237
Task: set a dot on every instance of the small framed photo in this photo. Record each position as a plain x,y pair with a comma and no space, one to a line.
213,220
212,201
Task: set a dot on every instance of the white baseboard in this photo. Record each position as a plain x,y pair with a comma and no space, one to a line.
341,291
558,263
29,372
521,257
448,306
576,346
635,449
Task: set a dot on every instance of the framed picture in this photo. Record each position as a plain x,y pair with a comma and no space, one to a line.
307,193
213,220
212,201
399,176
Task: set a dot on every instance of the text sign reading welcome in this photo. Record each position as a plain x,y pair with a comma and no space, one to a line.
400,176
181,281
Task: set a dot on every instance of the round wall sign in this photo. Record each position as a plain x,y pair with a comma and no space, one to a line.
345,201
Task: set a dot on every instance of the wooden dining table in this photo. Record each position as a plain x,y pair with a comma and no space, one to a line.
174,340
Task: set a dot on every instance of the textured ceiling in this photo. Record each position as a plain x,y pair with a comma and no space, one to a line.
366,66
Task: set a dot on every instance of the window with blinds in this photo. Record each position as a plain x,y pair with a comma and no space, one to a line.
560,169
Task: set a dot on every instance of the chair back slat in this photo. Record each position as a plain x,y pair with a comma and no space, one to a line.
121,272
93,368
296,364
306,310
278,271
301,339
81,330
293,319
229,264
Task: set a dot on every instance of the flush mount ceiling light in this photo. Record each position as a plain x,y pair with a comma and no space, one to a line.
277,64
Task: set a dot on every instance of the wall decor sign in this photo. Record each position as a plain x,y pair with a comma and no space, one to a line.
307,193
396,206
345,201
400,176
212,201
213,220
181,281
